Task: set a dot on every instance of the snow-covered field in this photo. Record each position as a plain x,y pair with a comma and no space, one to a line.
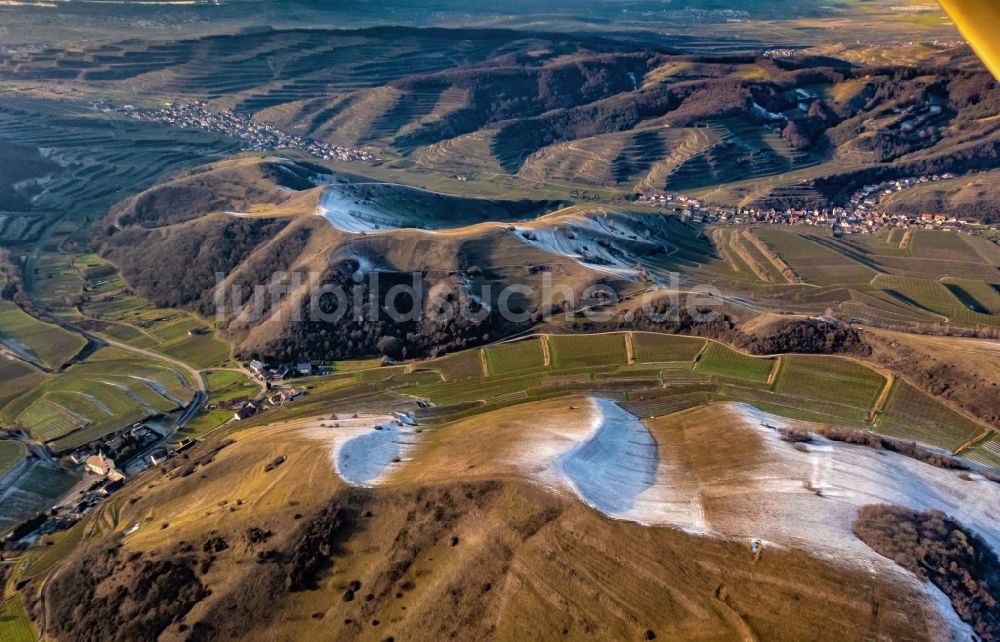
365,449
809,494
348,215
615,466
614,244
778,494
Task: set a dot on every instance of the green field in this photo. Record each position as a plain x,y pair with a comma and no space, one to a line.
100,276
840,383
108,391
512,358
587,351
460,365
912,414
137,323
11,453
222,385
650,347
981,296
814,262
935,297
199,351
824,389
935,276
16,377
25,335
986,454
14,623
37,489
726,362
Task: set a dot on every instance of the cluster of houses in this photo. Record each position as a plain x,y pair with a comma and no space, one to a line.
871,195
255,136
260,370
861,216
122,444
244,407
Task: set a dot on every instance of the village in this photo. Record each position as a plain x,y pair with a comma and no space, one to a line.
108,463
254,136
861,215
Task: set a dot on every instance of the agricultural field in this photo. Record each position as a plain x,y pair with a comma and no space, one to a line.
16,377
173,333
912,414
37,489
937,298
986,454
14,623
11,454
651,347
55,281
222,385
36,340
722,361
100,395
199,351
516,357
823,389
591,351
100,276
978,296
848,387
461,365
893,278
812,258
354,365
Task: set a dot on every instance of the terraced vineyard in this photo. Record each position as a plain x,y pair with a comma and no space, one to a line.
726,362
937,298
845,388
173,333
98,157
461,365
823,389
35,340
742,150
11,454
17,377
986,455
37,489
978,296
575,351
101,395
512,358
912,414
650,347
813,259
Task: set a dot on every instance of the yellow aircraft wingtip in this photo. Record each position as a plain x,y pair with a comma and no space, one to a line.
979,22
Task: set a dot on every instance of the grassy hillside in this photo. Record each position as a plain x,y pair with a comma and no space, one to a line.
508,549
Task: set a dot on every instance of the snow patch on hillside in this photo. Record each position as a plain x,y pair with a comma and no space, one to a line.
365,449
612,463
349,215
617,464
613,245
